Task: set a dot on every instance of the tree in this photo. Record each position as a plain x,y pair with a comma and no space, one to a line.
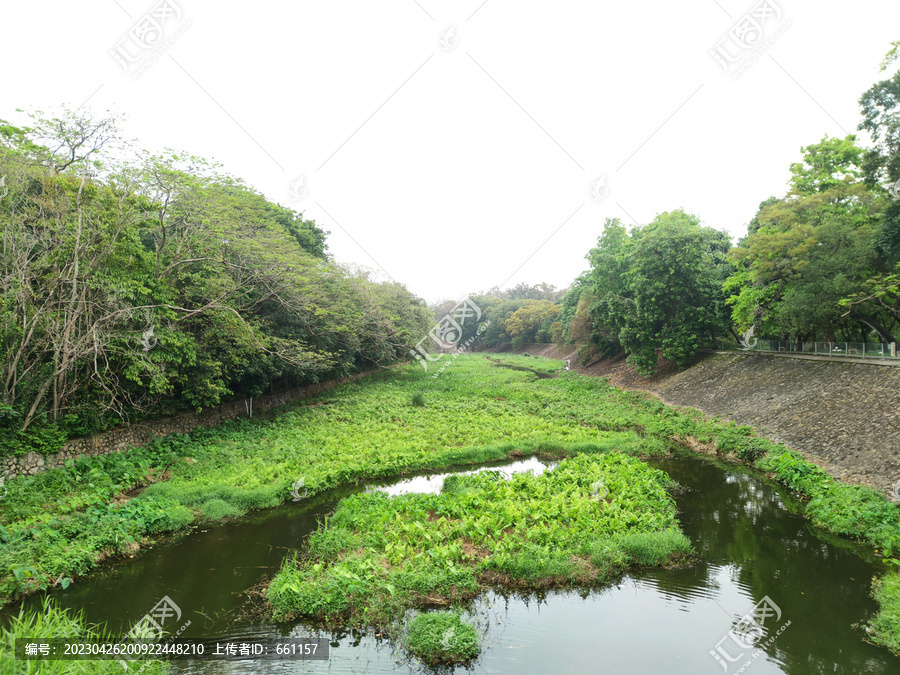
532,321
231,292
881,293
658,288
880,107
808,250
675,278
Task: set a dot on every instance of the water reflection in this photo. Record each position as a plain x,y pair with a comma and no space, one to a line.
433,484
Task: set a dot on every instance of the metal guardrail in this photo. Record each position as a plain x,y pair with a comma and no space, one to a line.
863,350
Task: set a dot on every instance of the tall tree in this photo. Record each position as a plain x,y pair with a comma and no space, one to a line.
810,249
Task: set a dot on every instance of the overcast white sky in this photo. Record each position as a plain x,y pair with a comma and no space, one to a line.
454,145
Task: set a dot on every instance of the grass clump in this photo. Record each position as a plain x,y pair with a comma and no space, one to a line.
380,556
739,441
218,509
442,638
418,399
650,549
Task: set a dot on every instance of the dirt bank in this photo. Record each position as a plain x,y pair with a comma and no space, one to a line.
844,417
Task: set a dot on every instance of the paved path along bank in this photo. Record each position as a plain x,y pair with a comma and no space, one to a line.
844,417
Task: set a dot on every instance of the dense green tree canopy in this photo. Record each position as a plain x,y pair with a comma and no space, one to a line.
658,288
134,284
810,249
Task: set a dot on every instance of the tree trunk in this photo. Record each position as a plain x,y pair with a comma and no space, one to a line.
882,330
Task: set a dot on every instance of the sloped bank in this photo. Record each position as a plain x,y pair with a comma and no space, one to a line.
844,417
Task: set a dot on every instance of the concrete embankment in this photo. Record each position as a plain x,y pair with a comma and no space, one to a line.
844,417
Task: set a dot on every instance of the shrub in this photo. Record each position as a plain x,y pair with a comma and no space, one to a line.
754,449
791,469
41,438
154,515
586,354
739,441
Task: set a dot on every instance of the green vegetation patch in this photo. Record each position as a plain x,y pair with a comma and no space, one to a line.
442,637
884,629
582,523
57,525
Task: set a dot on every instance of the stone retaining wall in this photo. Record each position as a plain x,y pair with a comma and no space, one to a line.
840,414
845,417
141,433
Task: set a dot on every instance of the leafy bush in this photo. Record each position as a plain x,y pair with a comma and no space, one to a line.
293,592
155,515
853,511
585,354
41,437
739,441
795,472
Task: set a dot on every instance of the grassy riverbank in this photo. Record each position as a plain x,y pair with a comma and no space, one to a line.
56,526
